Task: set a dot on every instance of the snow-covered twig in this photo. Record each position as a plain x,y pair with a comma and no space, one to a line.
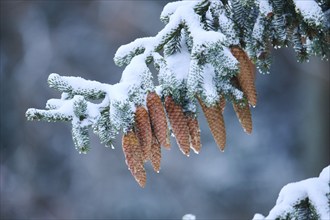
307,199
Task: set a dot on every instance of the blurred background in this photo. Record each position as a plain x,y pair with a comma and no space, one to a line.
42,175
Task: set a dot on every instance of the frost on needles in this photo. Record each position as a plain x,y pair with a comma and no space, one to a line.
308,199
207,53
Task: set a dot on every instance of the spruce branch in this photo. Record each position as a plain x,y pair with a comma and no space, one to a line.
306,199
207,52
77,86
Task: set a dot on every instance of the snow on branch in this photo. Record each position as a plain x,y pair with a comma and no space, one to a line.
77,86
311,11
207,52
307,199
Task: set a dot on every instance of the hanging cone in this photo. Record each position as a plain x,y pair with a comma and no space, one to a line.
194,132
216,123
133,155
158,119
222,103
244,116
143,130
178,123
155,154
246,76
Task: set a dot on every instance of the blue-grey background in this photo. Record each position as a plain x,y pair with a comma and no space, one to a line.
42,175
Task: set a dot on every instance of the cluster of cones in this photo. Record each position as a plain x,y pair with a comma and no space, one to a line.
151,131
143,143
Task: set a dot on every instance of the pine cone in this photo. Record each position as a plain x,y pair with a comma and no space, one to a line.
216,123
195,133
158,119
133,155
143,130
244,116
222,104
246,76
179,124
155,155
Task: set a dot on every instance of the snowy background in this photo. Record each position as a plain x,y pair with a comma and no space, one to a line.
42,175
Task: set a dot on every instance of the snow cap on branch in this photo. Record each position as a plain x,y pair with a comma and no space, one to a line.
307,199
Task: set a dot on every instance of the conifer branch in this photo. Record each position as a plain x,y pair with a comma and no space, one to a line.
208,50
305,200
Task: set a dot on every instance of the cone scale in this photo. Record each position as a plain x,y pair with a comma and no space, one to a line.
155,155
216,123
194,133
179,124
158,119
143,130
243,114
246,75
134,157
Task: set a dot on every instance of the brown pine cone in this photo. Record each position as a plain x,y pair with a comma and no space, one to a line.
246,76
195,133
155,155
158,119
244,116
133,155
178,123
216,123
143,130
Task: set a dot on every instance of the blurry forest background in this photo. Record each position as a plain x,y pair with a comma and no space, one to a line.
43,176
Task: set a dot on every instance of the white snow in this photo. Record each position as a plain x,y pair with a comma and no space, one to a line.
227,26
179,63
93,111
66,108
325,174
132,72
258,30
54,103
77,83
229,60
158,90
114,93
264,7
188,16
184,14
165,74
171,7
313,188
258,216
124,50
310,10
189,217
209,88
118,91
